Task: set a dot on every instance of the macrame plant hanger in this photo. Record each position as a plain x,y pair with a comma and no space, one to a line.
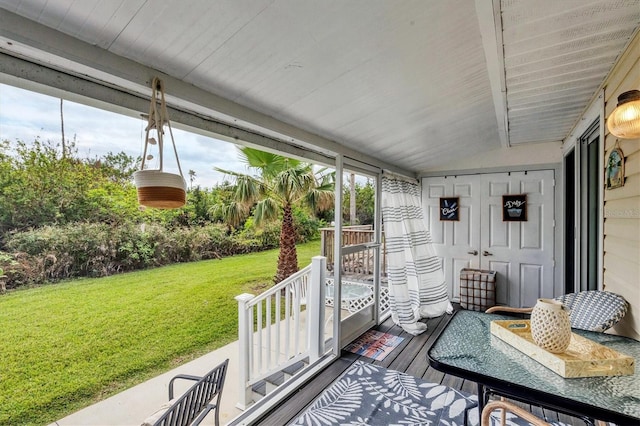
157,188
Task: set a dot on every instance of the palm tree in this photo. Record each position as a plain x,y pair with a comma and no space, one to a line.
281,183
192,178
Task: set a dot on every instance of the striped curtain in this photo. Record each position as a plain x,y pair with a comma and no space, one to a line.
416,281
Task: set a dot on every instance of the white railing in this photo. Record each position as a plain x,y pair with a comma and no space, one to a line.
286,324
278,328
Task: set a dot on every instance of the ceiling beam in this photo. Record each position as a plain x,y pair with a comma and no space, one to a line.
52,49
27,75
490,20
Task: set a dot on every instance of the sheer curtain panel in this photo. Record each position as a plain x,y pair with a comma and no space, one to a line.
416,281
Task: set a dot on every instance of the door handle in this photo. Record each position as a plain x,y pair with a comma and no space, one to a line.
473,252
486,253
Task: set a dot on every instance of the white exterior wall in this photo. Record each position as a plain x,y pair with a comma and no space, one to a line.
622,205
621,222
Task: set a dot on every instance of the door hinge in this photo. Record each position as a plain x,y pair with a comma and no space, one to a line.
553,224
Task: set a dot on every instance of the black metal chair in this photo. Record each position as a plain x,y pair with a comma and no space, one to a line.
196,403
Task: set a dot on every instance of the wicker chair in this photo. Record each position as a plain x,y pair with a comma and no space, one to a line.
506,407
590,310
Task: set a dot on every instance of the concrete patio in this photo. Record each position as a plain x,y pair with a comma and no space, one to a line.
135,404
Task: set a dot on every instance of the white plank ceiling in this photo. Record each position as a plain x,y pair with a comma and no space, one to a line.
406,81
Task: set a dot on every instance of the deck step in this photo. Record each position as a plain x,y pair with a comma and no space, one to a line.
270,383
294,368
259,390
274,380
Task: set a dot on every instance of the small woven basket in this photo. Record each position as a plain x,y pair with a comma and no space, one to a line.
550,325
477,289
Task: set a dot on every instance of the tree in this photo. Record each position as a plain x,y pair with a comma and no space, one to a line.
365,203
192,178
40,186
64,145
118,167
280,184
352,199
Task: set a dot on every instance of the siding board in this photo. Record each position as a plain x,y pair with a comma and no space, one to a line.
622,285
625,229
623,209
624,248
622,205
629,190
625,75
626,268
632,160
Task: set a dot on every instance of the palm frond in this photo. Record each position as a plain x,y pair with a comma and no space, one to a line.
325,173
266,210
228,172
320,198
248,189
233,213
326,176
281,181
268,163
293,183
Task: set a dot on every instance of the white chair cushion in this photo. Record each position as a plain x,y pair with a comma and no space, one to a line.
594,310
152,419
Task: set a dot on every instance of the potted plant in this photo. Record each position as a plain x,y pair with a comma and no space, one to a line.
156,187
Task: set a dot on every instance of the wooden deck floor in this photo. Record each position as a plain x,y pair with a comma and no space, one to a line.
410,357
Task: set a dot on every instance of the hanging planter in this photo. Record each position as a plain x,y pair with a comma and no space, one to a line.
157,188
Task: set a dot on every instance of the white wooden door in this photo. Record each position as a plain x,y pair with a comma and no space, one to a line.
522,253
457,242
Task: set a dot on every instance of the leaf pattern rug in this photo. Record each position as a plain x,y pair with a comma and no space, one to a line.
367,394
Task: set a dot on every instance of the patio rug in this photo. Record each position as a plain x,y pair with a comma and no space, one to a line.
374,344
373,395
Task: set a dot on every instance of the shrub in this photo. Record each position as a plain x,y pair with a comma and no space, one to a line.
53,253
268,235
307,227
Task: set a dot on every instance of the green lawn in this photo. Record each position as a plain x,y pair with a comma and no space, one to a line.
68,345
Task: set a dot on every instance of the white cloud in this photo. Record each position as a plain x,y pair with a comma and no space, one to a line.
26,115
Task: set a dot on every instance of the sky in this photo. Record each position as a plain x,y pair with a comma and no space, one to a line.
25,115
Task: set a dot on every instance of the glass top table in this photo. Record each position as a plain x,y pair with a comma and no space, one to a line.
466,348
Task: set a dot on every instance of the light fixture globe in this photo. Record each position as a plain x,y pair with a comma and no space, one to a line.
624,121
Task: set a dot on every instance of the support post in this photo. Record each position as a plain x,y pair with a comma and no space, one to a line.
244,345
379,250
315,308
337,258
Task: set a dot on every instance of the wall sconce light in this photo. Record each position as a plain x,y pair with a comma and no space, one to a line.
624,121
